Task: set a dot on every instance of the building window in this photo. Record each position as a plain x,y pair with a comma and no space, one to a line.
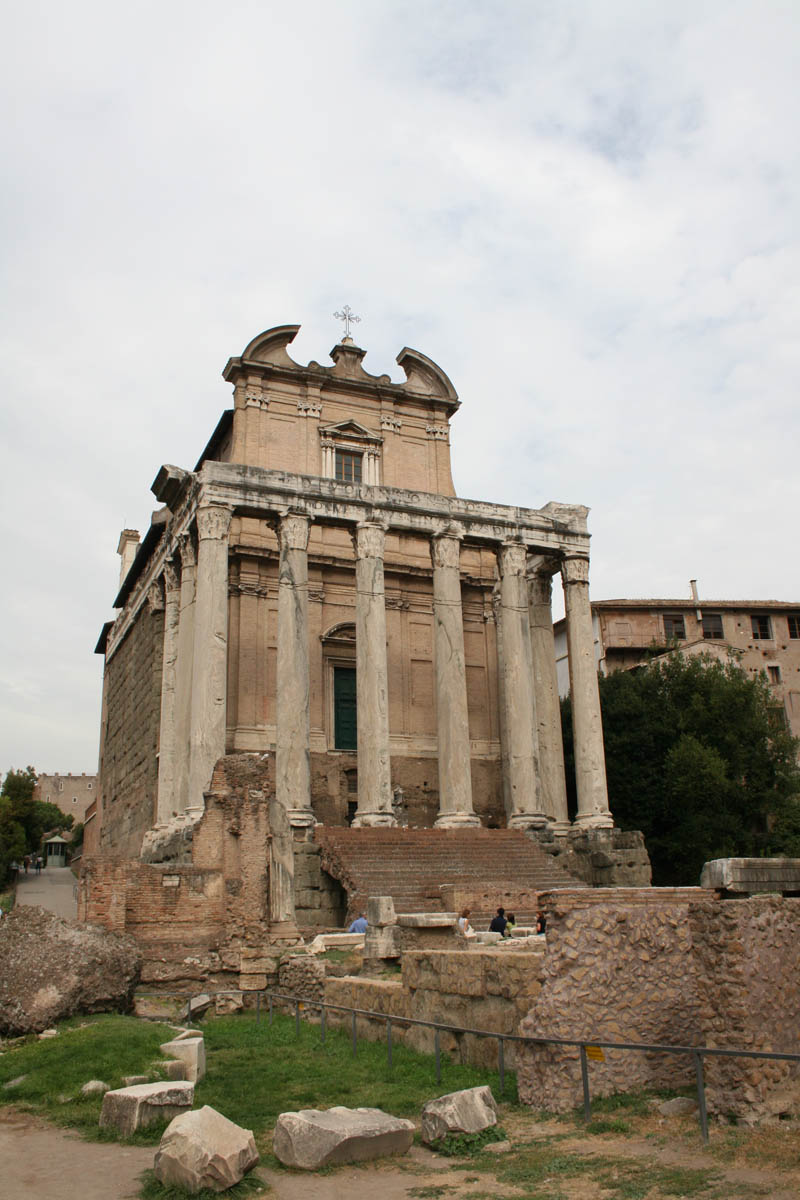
794,625
88,787
774,674
712,625
674,626
344,709
61,785
74,799
761,626
348,467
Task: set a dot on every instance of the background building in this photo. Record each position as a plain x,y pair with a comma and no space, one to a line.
71,793
765,634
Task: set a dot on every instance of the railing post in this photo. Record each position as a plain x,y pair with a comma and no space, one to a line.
701,1094
388,1042
270,1008
354,1033
297,1018
501,1064
438,1051
258,1008
587,1104
322,1023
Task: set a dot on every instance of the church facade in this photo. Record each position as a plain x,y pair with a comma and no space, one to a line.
315,595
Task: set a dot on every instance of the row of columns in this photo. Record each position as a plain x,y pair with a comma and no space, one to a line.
194,681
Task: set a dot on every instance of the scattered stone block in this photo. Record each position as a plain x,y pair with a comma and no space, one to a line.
48,1033
191,1052
173,1069
203,1149
497,1147
381,941
199,1005
313,1138
133,1080
228,1002
748,876
185,1034
96,1087
129,1109
467,1111
380,911
12,1083
679,1106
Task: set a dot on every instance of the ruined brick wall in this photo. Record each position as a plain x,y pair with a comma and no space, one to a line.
667,966
476,988
129,771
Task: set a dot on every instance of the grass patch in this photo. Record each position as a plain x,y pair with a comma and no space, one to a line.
614,1125
464,1145
152,1189
105,1047
7,901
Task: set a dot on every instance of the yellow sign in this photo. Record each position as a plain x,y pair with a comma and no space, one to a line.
595,1053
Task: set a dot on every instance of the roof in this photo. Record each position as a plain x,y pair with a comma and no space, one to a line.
750,605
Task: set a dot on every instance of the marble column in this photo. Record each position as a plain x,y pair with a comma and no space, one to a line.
210,662
183,672
292,730
524,789
545,687
166,740
372,688
452,716
587,725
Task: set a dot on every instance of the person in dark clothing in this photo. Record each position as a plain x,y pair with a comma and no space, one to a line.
541,922
498,924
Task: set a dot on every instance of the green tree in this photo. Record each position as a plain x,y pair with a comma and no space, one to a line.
26,816
699,758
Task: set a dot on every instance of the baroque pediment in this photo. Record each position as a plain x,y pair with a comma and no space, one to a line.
349,431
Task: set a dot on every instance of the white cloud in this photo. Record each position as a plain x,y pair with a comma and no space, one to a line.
587,213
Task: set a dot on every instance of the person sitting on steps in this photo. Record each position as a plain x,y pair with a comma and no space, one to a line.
498,923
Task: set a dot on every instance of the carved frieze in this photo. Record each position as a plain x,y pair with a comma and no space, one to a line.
172,575
187,550
309,408
438,432
255,398
392,424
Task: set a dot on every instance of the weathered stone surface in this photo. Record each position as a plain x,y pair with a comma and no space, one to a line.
203,1149
467,1111
132,1080
382,941
172,1070
199,1004
313,1138
752,875
427,920
51,969
191,1052
96,1087
228,1002
679,1106
380,911
129,1109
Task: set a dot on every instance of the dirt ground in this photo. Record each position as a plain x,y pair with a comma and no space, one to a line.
37,1159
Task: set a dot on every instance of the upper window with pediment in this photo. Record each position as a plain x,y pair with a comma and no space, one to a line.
350,453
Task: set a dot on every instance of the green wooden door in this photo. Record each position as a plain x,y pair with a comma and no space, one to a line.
345,728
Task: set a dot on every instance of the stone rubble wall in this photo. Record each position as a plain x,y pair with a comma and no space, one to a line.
601,857
673,968
320,901
475,989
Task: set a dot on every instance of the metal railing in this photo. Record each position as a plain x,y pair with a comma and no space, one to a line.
584,1045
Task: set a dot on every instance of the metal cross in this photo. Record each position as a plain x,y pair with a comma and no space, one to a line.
347,315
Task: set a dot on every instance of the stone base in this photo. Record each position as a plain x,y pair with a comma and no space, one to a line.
528,821
171,841
456,821
600,857
373,820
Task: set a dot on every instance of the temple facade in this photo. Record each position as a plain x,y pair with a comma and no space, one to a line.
314,594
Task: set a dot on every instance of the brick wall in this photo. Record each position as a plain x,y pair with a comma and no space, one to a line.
129,771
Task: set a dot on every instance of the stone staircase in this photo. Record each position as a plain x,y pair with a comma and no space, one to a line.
442,870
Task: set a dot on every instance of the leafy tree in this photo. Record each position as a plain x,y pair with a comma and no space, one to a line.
24,820
699,758
12,839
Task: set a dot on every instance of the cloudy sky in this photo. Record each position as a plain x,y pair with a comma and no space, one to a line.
586,212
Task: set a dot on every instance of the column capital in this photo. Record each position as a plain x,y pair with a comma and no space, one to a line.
575,570
511,558
293,528
187,550
172,576
369,539
446,547
213,521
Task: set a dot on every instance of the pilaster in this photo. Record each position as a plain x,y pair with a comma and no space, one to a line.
167,732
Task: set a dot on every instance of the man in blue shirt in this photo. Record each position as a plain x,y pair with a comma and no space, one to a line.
359,925
498,924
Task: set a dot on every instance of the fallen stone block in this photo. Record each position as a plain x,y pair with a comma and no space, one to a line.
380,911
679,1106
95,1087
199,1004
228,1002
173,1069
203,1149
313,1138
129,1109
468,1111
133,1080
191,1052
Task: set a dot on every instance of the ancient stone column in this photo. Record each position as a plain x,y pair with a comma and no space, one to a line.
292,731
452,717
372,690
166,740
183,672
545,688
587,725
524,790
210,664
